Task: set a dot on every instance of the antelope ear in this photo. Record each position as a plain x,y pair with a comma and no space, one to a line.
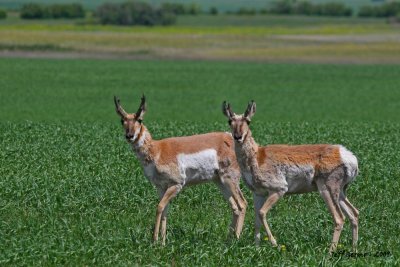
250,111
142,109
120,111
226,110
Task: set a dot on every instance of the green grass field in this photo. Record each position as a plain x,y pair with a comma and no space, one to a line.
72,192
82,90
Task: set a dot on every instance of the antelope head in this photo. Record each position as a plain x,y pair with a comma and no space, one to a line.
239,123
131,122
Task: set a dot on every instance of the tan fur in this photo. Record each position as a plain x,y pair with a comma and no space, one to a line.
168,149
324,158
275,170
159,159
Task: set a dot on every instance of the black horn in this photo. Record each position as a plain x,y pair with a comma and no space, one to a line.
226,109
251,109
118,107
142,108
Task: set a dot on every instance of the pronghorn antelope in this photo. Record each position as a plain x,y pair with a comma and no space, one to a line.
275,170
171,164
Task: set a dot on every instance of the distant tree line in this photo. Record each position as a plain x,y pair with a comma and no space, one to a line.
304,7
3,14
140,13
310,9
135,13
390,9
54,11
181,9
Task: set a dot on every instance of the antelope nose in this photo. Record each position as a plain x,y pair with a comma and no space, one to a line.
237,137
129,136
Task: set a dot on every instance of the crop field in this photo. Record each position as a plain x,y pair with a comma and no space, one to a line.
82,90
263,38
73,193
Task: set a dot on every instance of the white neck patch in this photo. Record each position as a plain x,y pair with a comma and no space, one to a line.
136,133
141,140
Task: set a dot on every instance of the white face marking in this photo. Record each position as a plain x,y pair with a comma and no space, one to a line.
239,119
136,134
198,166
141,140
349,160
242,139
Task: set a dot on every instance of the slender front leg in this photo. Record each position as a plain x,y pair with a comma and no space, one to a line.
271,200
168,195
164,224
242,206
258,202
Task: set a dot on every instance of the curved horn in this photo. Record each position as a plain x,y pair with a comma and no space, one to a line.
226,109
118,107
251,109
142,108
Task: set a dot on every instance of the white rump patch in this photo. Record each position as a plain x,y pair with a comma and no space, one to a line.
198,167
349,160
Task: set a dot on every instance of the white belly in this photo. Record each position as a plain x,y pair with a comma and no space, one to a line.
291,179
300,179
198,167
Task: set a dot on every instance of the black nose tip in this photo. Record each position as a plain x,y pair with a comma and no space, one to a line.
237,137
129,136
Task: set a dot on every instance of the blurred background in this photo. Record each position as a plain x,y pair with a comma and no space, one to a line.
359,31
326,60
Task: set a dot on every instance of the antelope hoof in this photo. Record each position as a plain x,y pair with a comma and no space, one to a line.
332,249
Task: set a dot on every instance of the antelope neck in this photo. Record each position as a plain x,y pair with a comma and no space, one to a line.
142,145
248,148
